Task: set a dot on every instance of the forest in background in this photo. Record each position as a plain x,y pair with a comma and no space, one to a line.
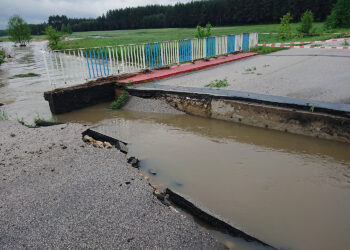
216,12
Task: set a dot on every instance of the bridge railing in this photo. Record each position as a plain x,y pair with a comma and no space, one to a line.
73,66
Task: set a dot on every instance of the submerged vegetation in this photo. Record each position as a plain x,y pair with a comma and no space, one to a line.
39,121
218,84
121,101
26,75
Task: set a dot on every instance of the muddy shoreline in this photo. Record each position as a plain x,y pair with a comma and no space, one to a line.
58,191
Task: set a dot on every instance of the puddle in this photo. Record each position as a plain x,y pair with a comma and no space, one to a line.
290,191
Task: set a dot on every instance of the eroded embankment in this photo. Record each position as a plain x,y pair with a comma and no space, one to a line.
322,120
297,116
57,191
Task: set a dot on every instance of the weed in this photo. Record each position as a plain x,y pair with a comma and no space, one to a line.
3,116
25,75
122,99
21,121
312,106
345,43
266,50
266,65
217,84
258,74
41,120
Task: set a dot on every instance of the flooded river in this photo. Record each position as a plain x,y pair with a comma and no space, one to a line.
290,191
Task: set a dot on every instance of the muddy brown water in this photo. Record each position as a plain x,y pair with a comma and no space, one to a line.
291,191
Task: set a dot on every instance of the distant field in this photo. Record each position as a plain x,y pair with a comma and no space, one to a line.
118,37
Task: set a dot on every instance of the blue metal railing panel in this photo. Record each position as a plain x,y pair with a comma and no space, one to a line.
210,48
185,51
245,43
153,55
231,43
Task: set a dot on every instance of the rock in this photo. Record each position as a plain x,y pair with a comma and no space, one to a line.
1,104
98,144
134,162
87,138
12,135
163,199
123,148
155,187
152,171
107,145
146,178
160,197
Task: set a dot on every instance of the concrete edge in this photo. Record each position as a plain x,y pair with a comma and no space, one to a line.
277,101
193,208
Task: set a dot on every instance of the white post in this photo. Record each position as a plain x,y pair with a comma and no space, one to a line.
178,52
46,67
122,54
144,57
117,56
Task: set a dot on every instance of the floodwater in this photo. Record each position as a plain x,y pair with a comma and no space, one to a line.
290,191
24,96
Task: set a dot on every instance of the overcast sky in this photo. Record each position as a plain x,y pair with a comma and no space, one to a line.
38,11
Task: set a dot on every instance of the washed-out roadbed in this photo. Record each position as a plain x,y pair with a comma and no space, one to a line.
58,192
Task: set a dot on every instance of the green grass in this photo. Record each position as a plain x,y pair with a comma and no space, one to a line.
266,50
218,84
25,75
122,99
119,37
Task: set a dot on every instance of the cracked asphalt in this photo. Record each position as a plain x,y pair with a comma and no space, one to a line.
58,192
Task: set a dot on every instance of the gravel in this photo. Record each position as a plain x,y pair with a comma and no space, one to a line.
58,192
150,106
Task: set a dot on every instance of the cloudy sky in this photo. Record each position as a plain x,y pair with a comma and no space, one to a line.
38,11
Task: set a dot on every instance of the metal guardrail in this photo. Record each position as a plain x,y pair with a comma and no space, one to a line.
74,66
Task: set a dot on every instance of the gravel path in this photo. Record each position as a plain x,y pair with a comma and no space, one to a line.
150,106
58,192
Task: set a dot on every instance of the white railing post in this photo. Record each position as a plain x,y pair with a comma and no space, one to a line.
178,52
122,54
46,67
143,56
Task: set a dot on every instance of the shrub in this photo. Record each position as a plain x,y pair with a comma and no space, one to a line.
285,29
18,30
202,32
53,36
122,99
340,15
2,56
218,84
306,22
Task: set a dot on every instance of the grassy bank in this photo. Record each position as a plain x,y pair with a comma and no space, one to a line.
118,37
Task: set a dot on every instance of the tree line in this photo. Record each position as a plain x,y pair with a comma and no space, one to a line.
216,12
